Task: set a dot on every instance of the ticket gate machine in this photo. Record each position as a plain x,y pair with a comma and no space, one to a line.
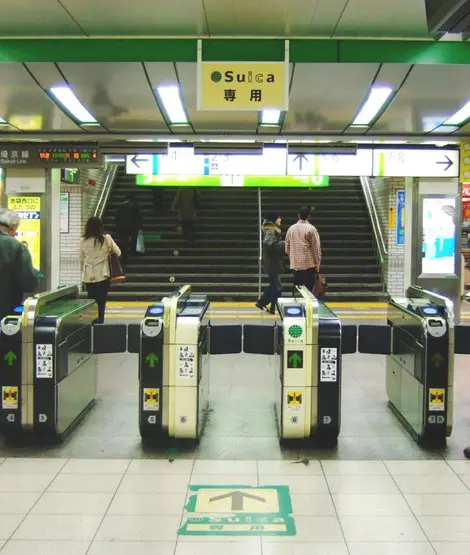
308,402
420,362
173,354
47,367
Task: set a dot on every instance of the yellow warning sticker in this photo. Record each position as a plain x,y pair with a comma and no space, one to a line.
294,400
151,399
9,397
437,400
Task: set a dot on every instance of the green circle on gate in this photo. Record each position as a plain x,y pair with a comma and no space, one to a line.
295,331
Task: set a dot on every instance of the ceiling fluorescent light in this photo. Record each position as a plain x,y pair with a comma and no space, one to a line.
459,117
2,121
270,117
172,104
378,96
70,102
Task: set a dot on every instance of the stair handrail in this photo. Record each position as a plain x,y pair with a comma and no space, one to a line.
106,190
260,242
374,218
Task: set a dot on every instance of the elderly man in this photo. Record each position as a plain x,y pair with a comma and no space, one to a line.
17,275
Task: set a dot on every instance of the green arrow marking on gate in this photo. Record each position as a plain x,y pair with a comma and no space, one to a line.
10,357
437,360
295,360
152,359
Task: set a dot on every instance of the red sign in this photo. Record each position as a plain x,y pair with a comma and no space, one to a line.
466,189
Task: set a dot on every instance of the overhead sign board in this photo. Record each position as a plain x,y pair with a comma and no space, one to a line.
232,181
254,86
331,164
54,155
416,163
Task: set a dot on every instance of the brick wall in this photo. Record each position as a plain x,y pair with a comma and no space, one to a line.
83,199
384,191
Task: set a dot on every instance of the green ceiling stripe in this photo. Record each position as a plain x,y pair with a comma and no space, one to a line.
185,50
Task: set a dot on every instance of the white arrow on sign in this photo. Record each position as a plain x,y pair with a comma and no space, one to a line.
139,163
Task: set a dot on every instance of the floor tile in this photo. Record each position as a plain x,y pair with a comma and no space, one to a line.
297,484
22,547
298,548
430,484
148,504
312,504
381,529
220,548
446,528
385,504
162,466
460,467
8,524
391,548
354,467
25,482
139,528
361,484
136,483
96,466
311,529
32,466
73,504
224,479
293,468
450,548
434,504
225,467
420,468
132,548
58,527
17,503
90,483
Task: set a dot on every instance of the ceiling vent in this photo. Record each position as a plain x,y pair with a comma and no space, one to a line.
448,16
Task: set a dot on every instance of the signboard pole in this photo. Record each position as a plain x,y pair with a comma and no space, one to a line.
287,75
199,74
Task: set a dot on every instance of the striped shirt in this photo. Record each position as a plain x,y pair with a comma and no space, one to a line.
303,246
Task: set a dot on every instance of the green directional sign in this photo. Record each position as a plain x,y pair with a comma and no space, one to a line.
295,359
10,358
290,181
152,359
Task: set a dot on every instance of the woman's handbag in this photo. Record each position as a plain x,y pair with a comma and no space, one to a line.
116,272
320,286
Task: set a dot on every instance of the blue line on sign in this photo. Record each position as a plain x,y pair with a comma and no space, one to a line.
155,164
207,165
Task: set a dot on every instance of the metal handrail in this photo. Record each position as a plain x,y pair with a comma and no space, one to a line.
379,238
260,243
106,190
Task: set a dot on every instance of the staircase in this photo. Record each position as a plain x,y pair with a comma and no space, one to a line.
223,262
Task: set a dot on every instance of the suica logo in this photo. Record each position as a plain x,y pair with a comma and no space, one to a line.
248,77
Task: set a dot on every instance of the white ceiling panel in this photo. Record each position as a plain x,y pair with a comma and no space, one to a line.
35,18
138,17
25,105
429,96
326,97
46,74
392,75
117,94
211,121
383,18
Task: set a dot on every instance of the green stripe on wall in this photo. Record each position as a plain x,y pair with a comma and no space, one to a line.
269,50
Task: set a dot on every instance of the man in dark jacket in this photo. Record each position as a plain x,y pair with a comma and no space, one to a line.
17,275
273,261
128,225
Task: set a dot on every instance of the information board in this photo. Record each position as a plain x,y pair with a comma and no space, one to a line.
64,212
416,163
400,215
231,181
29,231
358,164
438,236
53,155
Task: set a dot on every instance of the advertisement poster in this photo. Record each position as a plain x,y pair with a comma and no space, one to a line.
439,236
64,212
29,232
400,218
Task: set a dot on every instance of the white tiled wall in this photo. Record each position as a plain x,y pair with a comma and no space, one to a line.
384,191
83,200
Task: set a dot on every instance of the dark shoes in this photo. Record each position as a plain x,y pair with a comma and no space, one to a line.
264,308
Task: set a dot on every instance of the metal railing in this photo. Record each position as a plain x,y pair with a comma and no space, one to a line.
374,218
105,190
260,243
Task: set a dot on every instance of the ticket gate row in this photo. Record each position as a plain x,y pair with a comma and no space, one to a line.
48,372
419,341
177,339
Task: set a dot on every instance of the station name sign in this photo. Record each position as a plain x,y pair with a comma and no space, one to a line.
367,162
49,155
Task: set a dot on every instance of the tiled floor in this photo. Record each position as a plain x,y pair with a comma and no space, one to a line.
133,507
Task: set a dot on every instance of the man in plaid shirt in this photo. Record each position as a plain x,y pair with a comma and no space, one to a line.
304,250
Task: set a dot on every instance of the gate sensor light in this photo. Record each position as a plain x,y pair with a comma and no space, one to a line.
378,96
65,96
172,104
